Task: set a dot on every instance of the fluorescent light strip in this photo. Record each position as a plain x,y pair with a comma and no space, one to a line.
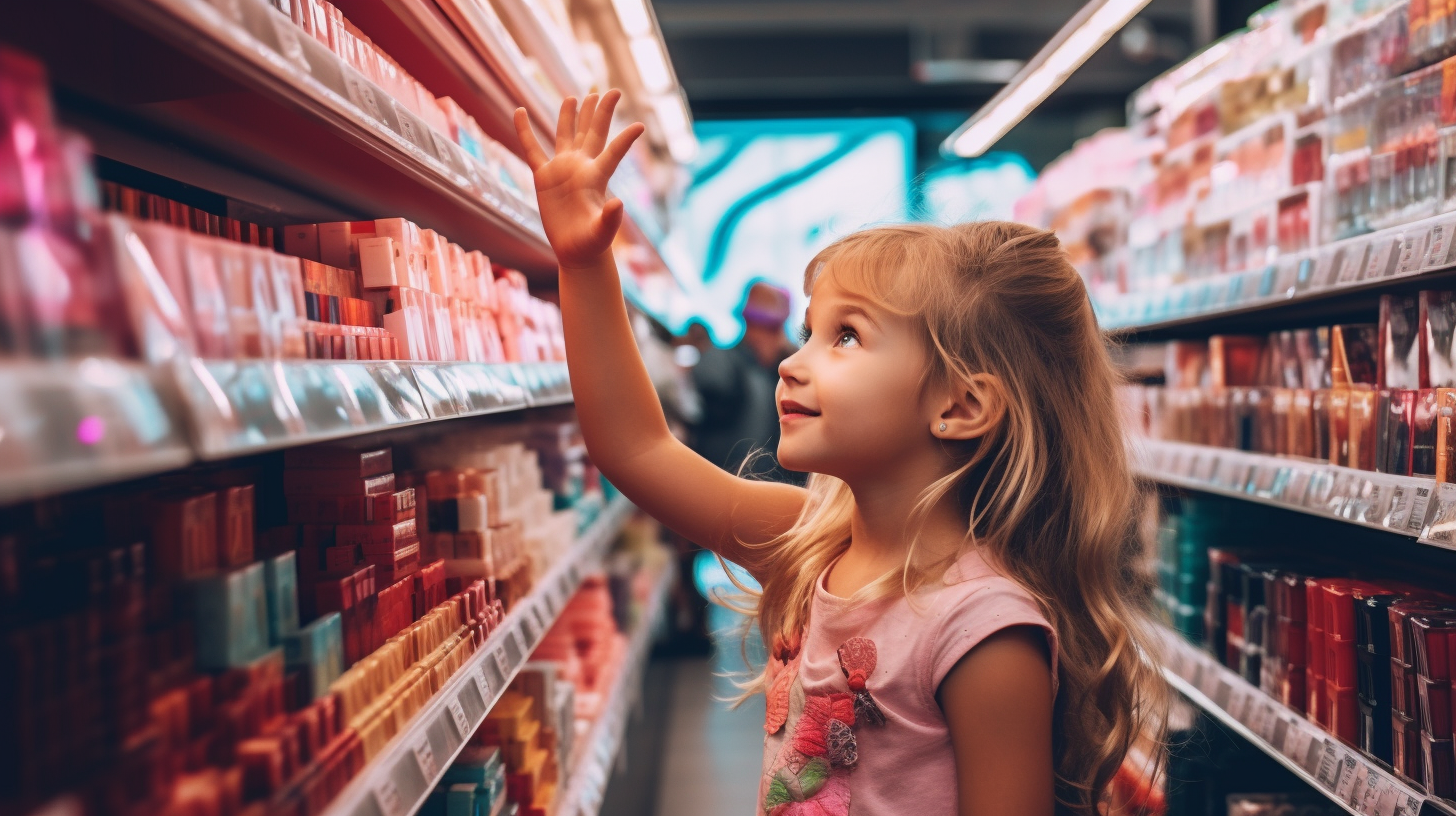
651,64
1077,41
636,22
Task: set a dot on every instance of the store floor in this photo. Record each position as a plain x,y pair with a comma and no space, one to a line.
687,753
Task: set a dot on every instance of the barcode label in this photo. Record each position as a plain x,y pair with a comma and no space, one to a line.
1329,765
1419,505
425,756
362,95
386,794
1345,779
457,713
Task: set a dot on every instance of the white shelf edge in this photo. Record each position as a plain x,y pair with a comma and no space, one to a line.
1249,277
598,752
1270,714
364,795
1267,468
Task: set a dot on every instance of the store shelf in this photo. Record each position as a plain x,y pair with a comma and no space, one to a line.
1337,280
1339,772
1402,505
75,424
85,423
239,83
399,779
243,407
597,755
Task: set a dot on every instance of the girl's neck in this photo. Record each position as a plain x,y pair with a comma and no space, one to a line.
881,533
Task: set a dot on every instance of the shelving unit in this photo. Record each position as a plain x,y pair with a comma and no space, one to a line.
1318,284
399,779
1339,772
123,421
1412,507
582,795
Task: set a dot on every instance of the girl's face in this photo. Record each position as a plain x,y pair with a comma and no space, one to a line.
850,400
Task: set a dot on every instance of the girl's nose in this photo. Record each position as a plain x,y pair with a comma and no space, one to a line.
792,369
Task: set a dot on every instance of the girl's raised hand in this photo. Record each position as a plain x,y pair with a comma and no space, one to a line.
580,218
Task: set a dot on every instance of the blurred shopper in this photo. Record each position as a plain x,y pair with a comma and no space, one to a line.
740,420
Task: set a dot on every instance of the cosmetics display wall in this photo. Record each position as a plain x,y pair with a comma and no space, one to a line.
1357,649
1243,172
246,639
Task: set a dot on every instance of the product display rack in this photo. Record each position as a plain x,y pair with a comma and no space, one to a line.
306,117
91,422
397,781
1339,772
582,795
1413,507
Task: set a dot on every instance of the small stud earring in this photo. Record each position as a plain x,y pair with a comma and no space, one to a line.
942,427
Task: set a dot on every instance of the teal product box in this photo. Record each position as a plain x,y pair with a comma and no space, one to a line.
280,574
318,651
477,764
230,618
460,800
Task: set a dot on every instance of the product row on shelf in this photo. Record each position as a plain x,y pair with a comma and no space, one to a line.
94,421
295,633
1312,152
549,744
1339,665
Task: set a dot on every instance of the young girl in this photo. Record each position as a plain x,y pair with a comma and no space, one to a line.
949,604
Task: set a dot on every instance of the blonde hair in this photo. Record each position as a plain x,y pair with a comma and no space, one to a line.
1049,498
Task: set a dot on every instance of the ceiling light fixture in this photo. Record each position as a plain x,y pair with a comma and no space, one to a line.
1079,39
651,64
636,22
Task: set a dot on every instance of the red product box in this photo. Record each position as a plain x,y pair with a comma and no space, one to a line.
1337,599
1404,689
386,508
1293,688
1292,642
184,535
335,483
1339,663
1435,704
235,526
378,539
1438,766
341,558
1344,713
1405,738
362,463
1431,635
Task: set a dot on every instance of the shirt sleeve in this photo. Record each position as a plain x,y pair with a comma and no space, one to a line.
997,604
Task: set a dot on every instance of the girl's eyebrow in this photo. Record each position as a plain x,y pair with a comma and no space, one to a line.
855,309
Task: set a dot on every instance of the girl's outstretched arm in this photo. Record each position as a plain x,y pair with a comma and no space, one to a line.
625,430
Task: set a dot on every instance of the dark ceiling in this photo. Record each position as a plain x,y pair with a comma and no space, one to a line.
748,59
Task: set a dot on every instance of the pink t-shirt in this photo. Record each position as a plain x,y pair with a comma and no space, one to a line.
829,754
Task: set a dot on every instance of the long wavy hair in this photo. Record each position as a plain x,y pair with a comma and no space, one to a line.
1049,499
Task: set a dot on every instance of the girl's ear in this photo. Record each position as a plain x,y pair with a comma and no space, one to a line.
974,410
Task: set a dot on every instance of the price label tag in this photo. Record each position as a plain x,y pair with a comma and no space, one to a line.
1420,507
1408,805
442,147
1375,785
1221,693
1387,799
1238,706
407,127
1435,246
1382,259
425,756
462,724
1412,249
386,794
482,684
289,45
1197,679
362,95
1328,771
1279,735
1345,778
1354,263
1440,529
1313,753
1298,487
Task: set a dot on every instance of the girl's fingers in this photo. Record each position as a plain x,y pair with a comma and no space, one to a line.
617,150
566,125
611,218
535,156
584,120
601,124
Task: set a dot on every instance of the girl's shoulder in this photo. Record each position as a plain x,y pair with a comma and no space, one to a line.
969,604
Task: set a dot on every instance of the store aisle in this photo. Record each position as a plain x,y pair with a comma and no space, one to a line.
712,755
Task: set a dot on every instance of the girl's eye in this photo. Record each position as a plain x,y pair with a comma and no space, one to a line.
847,338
